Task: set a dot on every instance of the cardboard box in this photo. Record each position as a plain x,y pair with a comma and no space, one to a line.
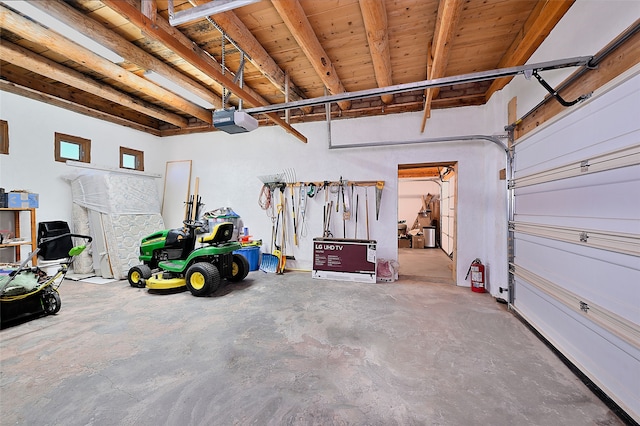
404,243
22,200
344,259
417,242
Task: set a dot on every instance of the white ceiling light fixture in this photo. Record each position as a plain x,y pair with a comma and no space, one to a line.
207,9
177,89
63,29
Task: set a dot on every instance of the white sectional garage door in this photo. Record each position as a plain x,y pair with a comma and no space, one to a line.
576,232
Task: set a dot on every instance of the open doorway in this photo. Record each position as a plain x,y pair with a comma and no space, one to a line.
427,221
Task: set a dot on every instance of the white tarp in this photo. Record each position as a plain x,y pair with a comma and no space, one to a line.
125,208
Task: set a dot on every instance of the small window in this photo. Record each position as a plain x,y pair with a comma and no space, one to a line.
131,159
72,148
4,137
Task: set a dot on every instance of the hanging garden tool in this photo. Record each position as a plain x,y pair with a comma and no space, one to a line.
327,220
326,211
291,179
366,200
379,187
302,203
283,208
346,212
270,262
355,236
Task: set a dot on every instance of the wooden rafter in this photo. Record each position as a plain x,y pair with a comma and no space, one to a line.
164,27
539,24
239,32
192,54
122,47
26,59
374,15
72,105
296,21
38,34
449,13
428,94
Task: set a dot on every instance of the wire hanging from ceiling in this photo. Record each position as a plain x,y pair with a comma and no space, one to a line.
238,76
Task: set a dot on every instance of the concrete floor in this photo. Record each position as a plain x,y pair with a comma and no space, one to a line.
286,350
431,265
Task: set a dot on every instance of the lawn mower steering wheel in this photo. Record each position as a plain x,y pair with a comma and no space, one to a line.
193,223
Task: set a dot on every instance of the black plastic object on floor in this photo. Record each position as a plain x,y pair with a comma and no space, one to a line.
55,249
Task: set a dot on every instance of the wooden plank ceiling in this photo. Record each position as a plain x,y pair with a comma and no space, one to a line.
293,49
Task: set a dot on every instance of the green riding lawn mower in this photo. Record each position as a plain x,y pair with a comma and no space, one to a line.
170,259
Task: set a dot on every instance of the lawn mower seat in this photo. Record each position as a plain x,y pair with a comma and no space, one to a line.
220,233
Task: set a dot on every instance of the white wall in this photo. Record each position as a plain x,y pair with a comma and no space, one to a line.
229,165
30,164
410,193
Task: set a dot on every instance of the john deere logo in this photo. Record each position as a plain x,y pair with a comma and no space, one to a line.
226,233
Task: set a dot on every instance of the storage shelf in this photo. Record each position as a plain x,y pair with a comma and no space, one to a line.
13,244
17,244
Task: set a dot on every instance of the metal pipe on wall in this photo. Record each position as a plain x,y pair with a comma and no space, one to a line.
494,139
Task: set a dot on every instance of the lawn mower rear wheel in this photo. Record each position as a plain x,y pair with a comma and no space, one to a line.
202,278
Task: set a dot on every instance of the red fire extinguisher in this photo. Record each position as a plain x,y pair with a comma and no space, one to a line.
476,269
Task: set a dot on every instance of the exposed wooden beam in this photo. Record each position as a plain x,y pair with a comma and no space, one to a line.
192,54
93,29
259,57
53,41
539,24
26,59
419,172
38,95
449,12
374,15
296,21
36,82
164,26
428,94
150,9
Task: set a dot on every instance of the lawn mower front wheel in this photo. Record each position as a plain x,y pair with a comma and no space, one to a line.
137,275
202,278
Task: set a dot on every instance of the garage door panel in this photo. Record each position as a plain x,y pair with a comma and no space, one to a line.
597,201
567,153
606,224
575,265
610,123
611,177
611,362
592,276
